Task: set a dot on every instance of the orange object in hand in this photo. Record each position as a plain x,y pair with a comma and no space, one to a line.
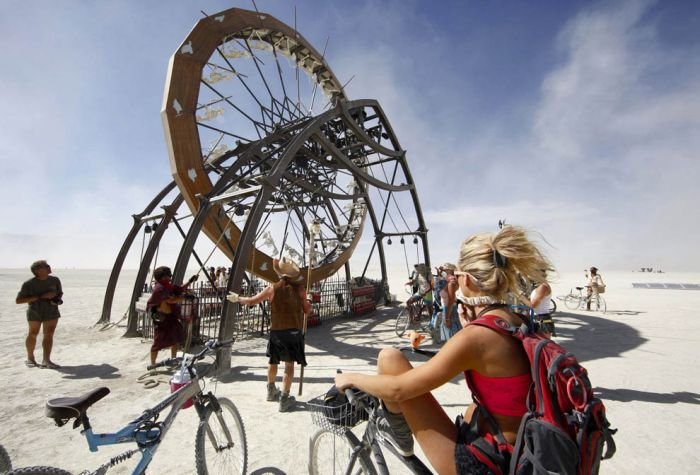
416,338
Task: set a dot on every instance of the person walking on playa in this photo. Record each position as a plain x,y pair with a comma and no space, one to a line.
288,305
164,304
44,294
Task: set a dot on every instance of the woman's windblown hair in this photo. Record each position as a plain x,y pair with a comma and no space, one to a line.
497,260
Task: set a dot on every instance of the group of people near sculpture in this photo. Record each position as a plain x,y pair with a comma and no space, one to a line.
489,270
440,291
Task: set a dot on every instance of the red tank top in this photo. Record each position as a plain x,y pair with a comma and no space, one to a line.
502,395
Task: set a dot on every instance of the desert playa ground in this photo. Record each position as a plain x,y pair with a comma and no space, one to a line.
641,355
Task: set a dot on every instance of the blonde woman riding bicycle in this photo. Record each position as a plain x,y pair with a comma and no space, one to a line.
498,370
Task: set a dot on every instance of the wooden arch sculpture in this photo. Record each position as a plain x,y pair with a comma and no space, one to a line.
272,159
280,157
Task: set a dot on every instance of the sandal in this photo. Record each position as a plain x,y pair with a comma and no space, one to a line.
49,365
31,364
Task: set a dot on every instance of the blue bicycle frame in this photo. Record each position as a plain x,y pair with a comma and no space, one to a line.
148,440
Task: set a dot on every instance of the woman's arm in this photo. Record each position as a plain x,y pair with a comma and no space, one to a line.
266,294
540,293
457,355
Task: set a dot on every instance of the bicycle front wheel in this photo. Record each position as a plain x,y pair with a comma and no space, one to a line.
331,454
402,321
221,445
38,471
572,301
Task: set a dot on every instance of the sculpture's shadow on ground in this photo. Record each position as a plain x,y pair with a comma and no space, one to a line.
88,371
590,336
628,395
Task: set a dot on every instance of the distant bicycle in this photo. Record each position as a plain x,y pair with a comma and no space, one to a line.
575,300
415,315
220,441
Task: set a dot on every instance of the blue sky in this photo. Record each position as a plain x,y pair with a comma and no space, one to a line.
577,120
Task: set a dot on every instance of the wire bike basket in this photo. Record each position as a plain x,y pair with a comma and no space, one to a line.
335,416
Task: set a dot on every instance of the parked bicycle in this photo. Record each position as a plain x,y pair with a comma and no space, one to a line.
335,449
577,300
220,441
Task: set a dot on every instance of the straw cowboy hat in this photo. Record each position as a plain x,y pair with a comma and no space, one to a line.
448,266
287,268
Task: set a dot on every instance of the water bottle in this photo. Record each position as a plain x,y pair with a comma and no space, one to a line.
180,379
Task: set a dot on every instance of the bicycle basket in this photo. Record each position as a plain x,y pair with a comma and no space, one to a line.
334,412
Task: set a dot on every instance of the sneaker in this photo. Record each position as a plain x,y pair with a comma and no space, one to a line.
399,436
273,393
287,403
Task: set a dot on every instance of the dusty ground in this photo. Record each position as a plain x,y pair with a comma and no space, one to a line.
641,357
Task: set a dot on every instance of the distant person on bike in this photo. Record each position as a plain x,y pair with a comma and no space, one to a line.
595,284
164,306
421,284
539,302
495,364
44,294
288,305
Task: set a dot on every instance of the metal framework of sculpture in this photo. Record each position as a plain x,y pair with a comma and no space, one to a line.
270,156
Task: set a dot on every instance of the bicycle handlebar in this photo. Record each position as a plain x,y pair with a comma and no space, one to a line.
420,351
208,346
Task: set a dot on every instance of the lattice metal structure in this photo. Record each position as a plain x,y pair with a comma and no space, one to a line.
272,158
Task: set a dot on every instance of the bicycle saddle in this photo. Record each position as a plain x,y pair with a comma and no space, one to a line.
63,409
579,288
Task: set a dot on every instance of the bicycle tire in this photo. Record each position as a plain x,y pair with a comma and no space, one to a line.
552,306
572,301
5,460
402,321
38,471
329,454
212,456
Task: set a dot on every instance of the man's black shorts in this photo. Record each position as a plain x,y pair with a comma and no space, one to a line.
286,345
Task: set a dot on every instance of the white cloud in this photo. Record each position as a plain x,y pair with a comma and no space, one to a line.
610,165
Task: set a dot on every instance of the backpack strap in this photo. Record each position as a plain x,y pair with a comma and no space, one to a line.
502,325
